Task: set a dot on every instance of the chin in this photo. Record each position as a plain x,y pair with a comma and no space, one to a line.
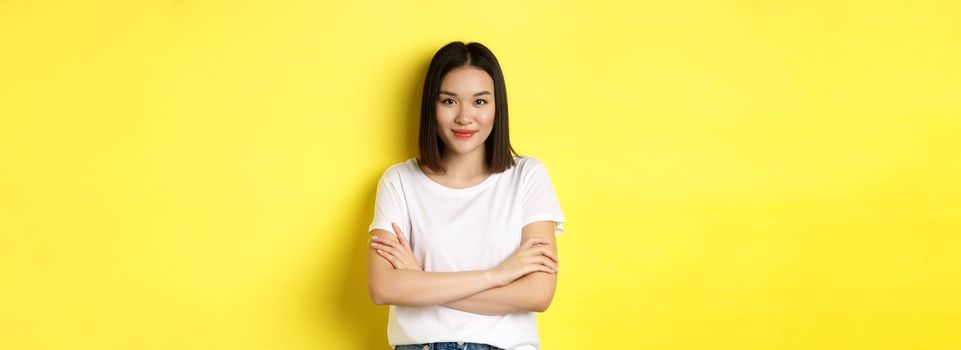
462,150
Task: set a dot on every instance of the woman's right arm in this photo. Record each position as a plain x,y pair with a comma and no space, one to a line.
387,285
408,287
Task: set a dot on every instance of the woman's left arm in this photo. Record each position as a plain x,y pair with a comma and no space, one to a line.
531,293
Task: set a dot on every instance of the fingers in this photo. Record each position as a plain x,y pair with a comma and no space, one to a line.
544,259
541,267
398,232
536,240
542,250
400,236
388,247
546,262
396,263
386,243
396,253
548,253
391,245
383,241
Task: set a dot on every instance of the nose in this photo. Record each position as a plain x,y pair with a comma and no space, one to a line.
462,117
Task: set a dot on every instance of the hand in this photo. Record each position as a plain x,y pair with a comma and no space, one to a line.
531,256
396,251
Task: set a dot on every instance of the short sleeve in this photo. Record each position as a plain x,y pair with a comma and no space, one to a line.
389,205
539,201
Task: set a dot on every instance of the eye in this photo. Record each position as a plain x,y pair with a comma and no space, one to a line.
480,101
444,101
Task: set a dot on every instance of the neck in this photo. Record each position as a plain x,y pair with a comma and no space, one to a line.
465,166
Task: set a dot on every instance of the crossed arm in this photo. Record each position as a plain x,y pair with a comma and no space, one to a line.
470,291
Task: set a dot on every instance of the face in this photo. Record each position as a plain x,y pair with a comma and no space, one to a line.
465,110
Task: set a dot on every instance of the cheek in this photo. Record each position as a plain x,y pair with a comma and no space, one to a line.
444,115
489,118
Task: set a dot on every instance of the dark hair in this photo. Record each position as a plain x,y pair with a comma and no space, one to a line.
497,147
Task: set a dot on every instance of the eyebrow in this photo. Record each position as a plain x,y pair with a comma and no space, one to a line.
445,92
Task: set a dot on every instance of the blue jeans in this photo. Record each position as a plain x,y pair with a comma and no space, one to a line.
447,346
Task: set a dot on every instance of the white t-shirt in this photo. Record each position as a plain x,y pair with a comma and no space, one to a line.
474,228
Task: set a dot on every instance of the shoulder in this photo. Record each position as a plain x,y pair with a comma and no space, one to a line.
529,170
399,170
525,165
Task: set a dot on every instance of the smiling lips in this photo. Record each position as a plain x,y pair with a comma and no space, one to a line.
464,133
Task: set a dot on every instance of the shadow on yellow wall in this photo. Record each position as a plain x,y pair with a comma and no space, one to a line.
350,303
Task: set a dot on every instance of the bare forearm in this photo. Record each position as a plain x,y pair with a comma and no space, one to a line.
526,294
421,288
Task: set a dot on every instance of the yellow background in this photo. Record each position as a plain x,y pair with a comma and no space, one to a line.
735,174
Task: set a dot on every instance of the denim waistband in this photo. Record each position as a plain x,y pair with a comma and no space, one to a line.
447,346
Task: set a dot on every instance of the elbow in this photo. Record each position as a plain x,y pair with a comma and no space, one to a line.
377,296
541,307
541,304
376,299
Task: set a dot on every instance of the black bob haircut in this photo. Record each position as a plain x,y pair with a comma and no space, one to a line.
497,148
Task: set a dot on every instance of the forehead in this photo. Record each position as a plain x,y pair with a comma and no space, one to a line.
467,79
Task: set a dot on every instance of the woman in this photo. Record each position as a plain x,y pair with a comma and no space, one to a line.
462,239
